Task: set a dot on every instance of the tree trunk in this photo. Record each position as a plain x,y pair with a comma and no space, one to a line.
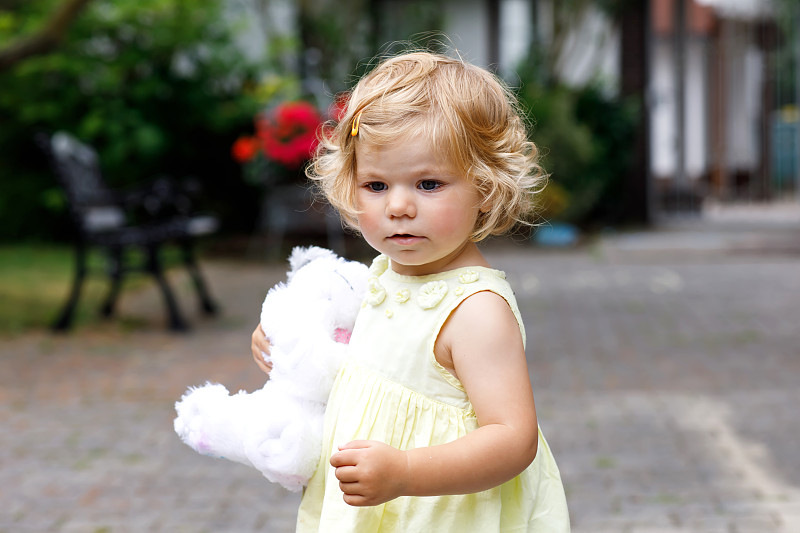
46,39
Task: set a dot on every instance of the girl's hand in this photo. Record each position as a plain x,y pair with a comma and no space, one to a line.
370,472
259,344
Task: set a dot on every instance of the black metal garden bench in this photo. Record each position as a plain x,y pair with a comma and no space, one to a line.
121,221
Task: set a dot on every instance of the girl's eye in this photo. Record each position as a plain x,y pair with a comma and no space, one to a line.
376,186
429,185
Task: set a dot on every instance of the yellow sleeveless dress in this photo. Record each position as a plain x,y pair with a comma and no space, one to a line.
391,389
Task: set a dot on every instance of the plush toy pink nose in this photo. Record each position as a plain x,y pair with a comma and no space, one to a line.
342,335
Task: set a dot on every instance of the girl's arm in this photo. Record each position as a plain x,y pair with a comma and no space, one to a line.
483,341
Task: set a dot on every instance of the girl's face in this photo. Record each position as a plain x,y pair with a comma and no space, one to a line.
415,208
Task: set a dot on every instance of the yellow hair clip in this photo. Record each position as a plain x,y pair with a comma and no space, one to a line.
356,123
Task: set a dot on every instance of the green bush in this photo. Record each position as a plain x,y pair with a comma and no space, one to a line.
156,86
585,140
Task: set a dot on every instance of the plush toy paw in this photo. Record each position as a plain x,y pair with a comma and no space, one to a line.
189,423
204,424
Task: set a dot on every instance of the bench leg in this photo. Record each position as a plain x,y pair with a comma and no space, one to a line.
115,273
206,302
176,322
64,320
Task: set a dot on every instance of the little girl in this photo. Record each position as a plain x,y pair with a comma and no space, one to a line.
431,424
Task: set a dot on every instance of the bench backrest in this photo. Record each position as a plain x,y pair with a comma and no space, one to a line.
76,166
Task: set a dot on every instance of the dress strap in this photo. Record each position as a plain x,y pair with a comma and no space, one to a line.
462,286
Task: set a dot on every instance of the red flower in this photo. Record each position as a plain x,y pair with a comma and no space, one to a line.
288,134
244,149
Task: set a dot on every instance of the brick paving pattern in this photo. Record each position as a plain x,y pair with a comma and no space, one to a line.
666,384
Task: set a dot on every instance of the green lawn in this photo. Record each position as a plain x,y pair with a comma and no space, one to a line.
35,280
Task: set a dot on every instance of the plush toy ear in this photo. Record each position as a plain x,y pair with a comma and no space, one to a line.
301,256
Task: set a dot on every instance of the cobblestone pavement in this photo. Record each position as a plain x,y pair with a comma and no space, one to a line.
666,384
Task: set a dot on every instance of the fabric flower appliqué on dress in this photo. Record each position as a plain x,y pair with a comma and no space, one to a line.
402,296
470,276
431,294
379,265
375,292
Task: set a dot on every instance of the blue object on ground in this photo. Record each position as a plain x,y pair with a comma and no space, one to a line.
556,234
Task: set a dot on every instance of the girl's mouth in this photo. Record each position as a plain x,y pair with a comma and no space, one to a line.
404,238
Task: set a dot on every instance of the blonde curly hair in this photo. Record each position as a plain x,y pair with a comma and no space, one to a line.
468,115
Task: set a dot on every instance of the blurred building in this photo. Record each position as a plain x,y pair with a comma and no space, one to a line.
721,84
722,89
719,78
722,125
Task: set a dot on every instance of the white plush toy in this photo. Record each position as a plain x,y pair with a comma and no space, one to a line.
278,428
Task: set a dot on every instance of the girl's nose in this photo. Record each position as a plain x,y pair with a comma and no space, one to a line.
400,203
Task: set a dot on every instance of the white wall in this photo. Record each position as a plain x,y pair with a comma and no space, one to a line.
664,135
743,79
661,98
467,26
591,52
516,26
697,112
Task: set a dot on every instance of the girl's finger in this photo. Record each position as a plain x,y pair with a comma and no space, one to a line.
353,489
355,500
343,458
346,474
265,367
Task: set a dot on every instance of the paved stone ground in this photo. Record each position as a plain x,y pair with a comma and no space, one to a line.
666,384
